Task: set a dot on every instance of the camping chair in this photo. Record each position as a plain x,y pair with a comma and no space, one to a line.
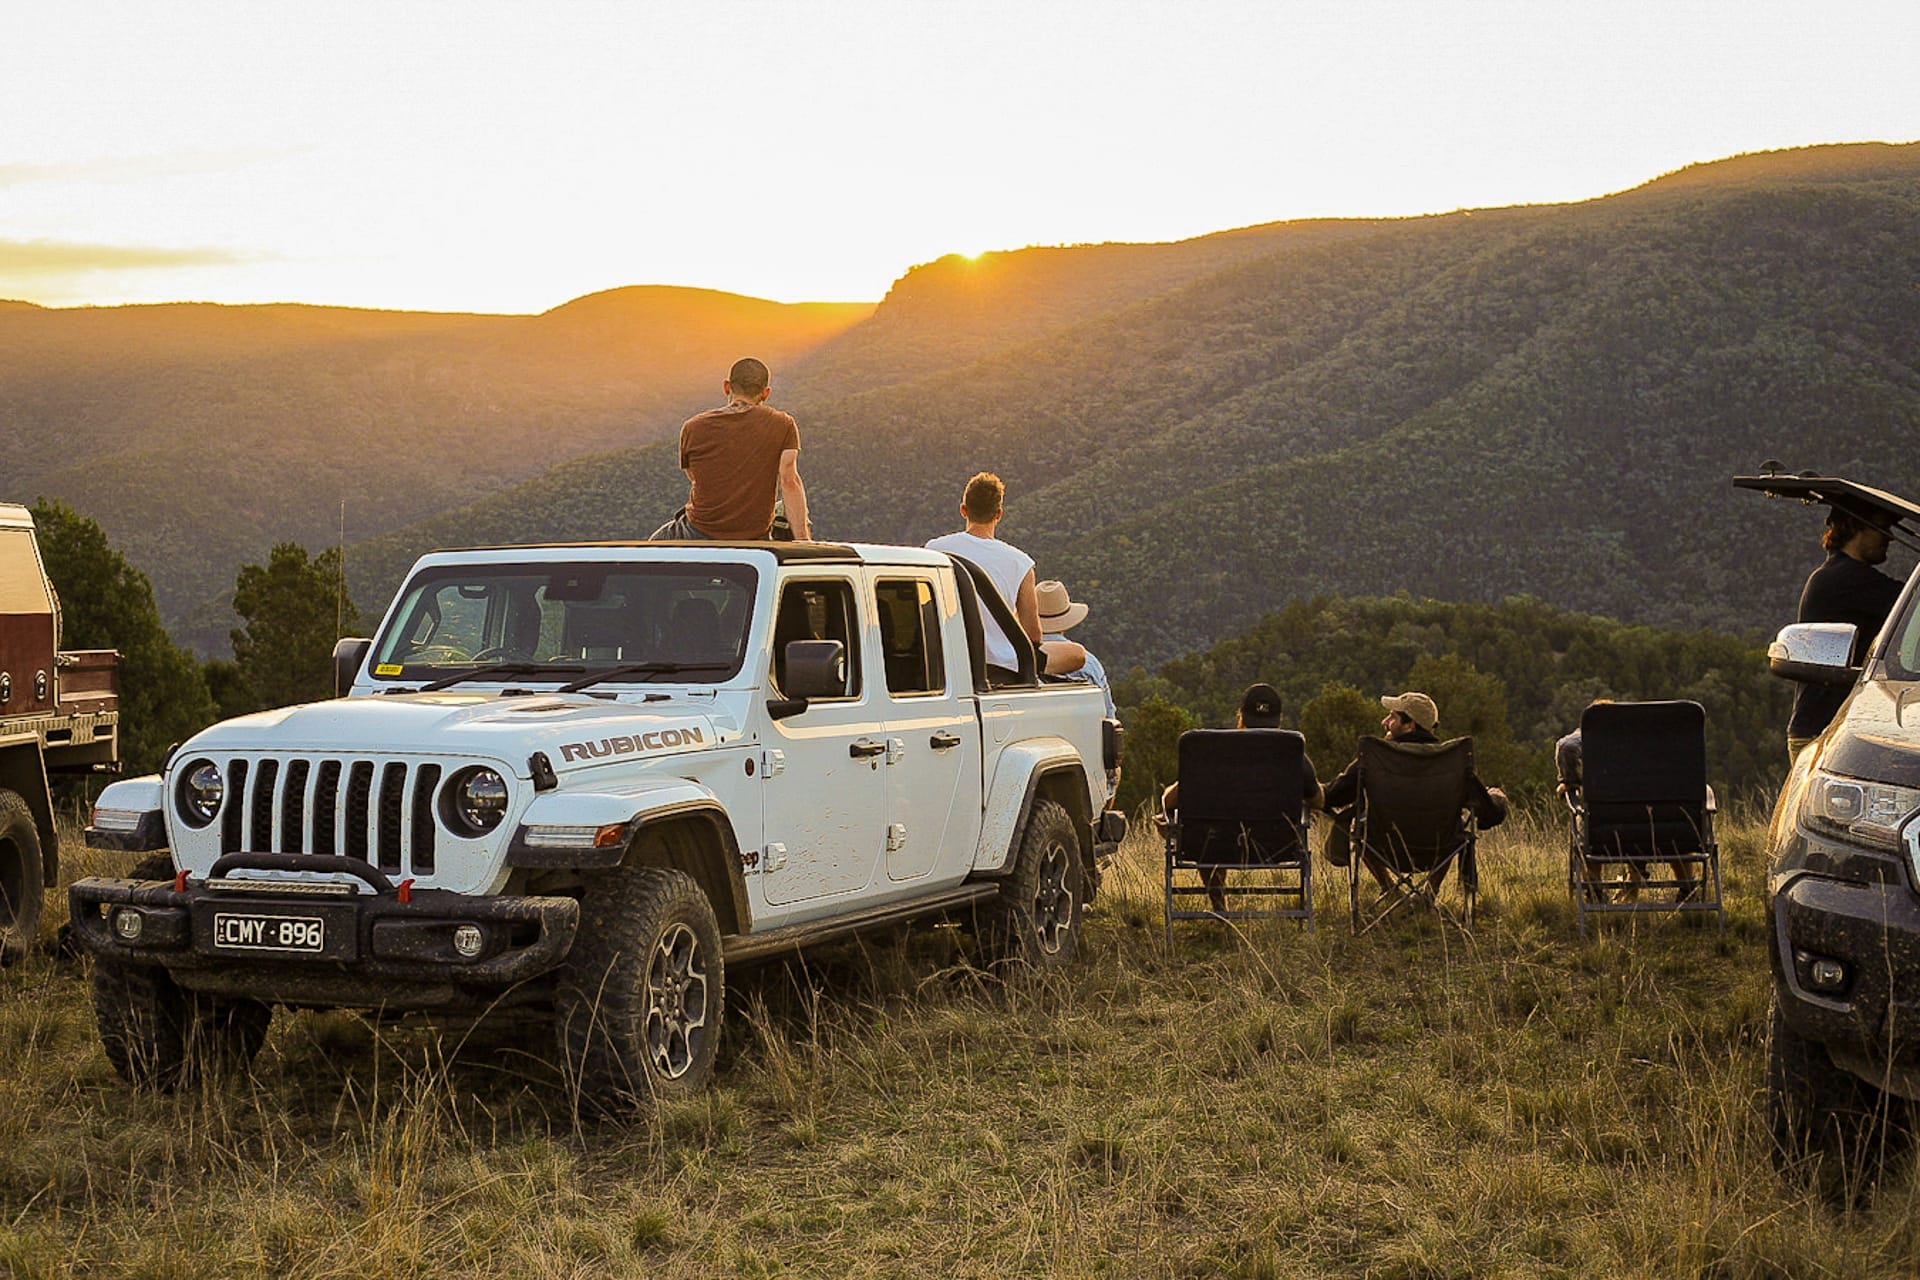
1240,816
1643,799
1414,816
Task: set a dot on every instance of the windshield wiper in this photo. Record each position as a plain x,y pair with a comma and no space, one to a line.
498,669
641,669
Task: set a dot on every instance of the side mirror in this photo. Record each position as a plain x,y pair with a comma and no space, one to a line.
815,669
1814,653
349,656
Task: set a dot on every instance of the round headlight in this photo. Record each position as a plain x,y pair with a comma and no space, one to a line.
476,801
201,789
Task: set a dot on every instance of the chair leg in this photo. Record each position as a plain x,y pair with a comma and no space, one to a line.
1169,901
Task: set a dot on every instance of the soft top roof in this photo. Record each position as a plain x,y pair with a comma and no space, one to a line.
1899,517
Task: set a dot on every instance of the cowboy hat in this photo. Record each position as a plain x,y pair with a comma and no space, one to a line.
1057,609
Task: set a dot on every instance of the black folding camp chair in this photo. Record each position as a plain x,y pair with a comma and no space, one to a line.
1240,823
1643,799
1415,818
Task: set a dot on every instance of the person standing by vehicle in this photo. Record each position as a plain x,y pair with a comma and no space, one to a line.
1847,588
735,457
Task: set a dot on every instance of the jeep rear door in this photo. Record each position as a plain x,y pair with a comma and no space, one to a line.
933,738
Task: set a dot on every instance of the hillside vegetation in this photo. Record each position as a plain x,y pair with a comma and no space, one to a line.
1545,401
200,435
1248,1104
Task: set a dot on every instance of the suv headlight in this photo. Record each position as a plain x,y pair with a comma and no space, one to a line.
1859,812
200,792
474,801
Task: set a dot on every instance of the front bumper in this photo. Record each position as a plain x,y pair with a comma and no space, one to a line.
378,951
1869,1020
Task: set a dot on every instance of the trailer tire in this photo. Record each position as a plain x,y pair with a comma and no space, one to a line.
22,887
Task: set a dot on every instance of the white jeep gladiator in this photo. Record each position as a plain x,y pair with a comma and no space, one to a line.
588,779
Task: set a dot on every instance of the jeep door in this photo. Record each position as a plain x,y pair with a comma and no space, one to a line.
825,813
933,739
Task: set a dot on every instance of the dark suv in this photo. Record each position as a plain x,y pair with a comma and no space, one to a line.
1843,874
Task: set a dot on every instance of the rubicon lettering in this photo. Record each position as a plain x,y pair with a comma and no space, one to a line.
626,746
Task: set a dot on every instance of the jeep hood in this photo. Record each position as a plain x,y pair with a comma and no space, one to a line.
575,731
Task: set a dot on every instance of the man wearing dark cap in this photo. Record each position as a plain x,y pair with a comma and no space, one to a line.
734,458
1412,718
1259,709
1847,588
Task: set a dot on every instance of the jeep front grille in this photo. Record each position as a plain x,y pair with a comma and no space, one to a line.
379,812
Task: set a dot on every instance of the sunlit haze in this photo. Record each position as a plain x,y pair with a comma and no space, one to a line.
496,156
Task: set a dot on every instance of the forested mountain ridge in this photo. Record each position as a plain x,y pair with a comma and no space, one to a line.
957,310
199,434
1544,400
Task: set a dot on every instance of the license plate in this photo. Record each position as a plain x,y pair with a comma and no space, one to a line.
300,934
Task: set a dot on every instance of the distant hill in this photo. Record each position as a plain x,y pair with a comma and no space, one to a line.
1542,400
199,435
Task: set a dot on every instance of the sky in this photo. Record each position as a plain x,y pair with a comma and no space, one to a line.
481,155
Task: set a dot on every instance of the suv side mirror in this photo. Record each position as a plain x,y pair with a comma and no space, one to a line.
349,656
815,669
1814,653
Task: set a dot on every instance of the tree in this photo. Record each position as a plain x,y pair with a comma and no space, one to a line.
106,603
1472,703
295,608
1152,753
1337,717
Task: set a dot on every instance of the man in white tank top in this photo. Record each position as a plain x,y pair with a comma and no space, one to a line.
1011,570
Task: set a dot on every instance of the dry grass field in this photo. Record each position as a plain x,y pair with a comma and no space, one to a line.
1258,1103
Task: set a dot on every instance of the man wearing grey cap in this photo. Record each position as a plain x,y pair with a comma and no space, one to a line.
1411,718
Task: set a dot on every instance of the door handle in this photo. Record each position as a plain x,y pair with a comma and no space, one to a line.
865,748
943,741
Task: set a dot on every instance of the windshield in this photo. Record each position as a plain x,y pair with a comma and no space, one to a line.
631,622
1902,650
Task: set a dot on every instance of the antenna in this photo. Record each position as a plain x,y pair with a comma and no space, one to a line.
340,591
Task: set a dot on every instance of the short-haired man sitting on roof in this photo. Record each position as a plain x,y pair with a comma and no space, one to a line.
1011,570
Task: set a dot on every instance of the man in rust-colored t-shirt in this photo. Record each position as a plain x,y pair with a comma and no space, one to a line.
735,456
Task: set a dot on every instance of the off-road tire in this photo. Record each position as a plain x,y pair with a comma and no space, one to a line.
639,1002
1035,920
22,887
160,1036
1822,1114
